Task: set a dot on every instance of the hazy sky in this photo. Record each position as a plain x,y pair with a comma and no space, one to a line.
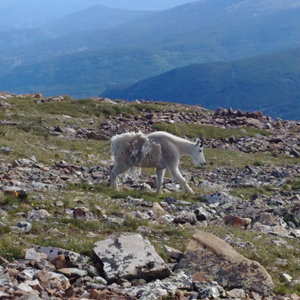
32,13
75,4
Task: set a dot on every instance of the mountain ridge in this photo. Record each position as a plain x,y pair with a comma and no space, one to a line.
269,83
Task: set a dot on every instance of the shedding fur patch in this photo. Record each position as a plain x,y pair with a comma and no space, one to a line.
135,150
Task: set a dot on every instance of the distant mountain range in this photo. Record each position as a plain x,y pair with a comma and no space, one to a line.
269,83
87,73
35,13
93,49
97,17
93,18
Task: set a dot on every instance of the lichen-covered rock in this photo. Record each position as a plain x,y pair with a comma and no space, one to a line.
207,186
156,289
221,199
185,217
130,257
207,289
201,214
22,226
72,257
216,259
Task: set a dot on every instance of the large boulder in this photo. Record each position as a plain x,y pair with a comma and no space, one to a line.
216,260
130,257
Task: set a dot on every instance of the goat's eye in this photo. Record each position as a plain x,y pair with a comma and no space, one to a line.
200,150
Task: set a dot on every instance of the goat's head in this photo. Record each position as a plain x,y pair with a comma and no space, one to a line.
197,153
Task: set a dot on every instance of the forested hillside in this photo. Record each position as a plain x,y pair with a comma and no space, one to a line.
269,83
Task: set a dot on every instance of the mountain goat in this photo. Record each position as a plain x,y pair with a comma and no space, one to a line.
160,150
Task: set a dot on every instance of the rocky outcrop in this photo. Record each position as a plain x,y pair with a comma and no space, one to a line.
216,259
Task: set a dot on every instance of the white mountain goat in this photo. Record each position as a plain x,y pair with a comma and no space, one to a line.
160,150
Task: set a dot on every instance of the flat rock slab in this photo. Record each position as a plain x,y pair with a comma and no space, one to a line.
216,260
130,257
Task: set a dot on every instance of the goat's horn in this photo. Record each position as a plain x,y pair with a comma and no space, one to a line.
202,140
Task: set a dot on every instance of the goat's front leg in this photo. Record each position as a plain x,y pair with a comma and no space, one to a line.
160,173
113,174
179,178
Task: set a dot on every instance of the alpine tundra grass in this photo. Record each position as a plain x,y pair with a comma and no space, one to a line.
29,137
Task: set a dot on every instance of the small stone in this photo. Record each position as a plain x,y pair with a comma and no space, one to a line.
185,217
22,226
237,222
40,214
173,253
286,278
59,203
42,276
31,254
82,212
201,214
236,293
206,289
60,262
72,271
255,296
25,287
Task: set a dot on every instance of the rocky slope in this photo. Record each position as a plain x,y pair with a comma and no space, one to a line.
66,235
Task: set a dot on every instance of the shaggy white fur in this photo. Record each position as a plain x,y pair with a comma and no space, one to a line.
160,150
134,150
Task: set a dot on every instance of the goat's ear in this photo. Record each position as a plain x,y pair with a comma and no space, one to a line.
197,142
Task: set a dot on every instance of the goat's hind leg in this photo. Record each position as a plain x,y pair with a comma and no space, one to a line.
160,176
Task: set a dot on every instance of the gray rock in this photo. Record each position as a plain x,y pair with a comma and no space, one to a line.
185,217
29,297
210,187
201,214
221,199
24,287
70,272
130,257
236,293
22,226
144,230
40,185
262,228
173,253
4,295
3,224
5,150
267,219
72,257
27,274
5,281
38,215
24,162
155,290
286,278
206,289
58,277
31,254
295,152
